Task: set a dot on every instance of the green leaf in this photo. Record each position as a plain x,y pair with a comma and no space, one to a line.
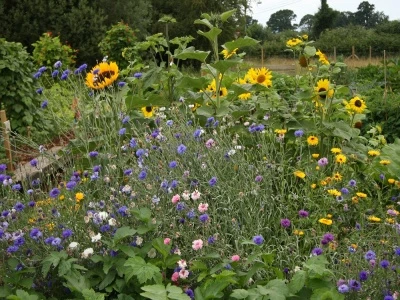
227,14
22,295
53,259
214,289
205,22
198,265
142,270
143,214
205,111
240,43
239,294
108,279
198,83
310,51
92,295
122,233
268,258
77,282
191,53
223,65
160,292
64,267
159,245
128,250
297,282
211,34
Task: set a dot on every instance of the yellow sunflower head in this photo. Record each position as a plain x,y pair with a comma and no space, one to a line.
261,76
356,105
212,88
102,75
293,42
323,89
228,54
322,58
148,111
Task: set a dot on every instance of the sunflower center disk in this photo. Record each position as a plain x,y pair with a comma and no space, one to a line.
358,103
102,76
261,78
321,90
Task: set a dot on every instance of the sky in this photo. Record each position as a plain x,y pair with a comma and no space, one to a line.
263,9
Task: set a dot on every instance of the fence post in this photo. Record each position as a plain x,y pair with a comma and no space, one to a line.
262,57
370,54
7,145
334,54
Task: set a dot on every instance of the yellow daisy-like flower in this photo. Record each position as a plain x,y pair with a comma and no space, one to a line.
312,140
336,150
79,196
299,174
356,105
329,216
391,180
50,226
228,54
293,42
325,221
261,76
298,232
374,153
337,176
323,182
341,159
315,155
334,192
374,219
354,200
389,220
361,195
385,162
314,185
280,131
304,37
322,57
62,197
323,89
102,75
148,111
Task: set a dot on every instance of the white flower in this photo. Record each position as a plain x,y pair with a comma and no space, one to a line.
231,152
87,252
246,123
139,241
182,263
186,195
73,245
103,215
127,189
297,268
112,222
96,238
107,179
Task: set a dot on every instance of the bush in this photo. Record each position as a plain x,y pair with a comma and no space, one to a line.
17,93
50,49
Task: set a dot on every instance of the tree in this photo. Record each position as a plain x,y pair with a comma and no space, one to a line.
306,23
344,18
281,20
323,19
367,17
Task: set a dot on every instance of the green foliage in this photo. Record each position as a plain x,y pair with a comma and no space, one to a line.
17,90
119,37
160,292
47,50
323,19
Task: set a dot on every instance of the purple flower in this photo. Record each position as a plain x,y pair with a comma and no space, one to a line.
258,240
93,154
137,75
285,223
67,233
65,74
190,293
329,237
12,249
354,285
96,168
322,162
126,120
33,162
142,175
191,214
258,178
56,241
35,234
132,143
344,288
31,203
303,213
212,181
128,172
363,275
39,91
397,251
19,206
203,218
122,131
181,149
317,251
57,64
54,193
123,211
344,191
370,255
55,73
180,206
173,164
82,67
3,168
16,187
211,240
173,184
140,152
388,297
49,240
384,264
121,84
299,133
37,75
19,241
169,123
352,183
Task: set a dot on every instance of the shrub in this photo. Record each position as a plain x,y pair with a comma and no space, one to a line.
50,49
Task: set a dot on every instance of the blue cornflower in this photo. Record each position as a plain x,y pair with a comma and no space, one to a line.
173,164
388,297
82,67
299,133
57,64
122,131
344,191
37,75
65,74
317,251
258,178
12,249
19,241
16,187
216,123
397,251
35,182
191,214
181,149
33,162
173,184
97,168
363,275
354,285
105,228
31,203
210,120
93,154
54,193
384,264
142,175
197,133
370,255
127,172
67,233
3,168
121,83
155,199
35,234
352,183
49,240
169,123
42,69
164,184
44,104
39,91
190,293
55,73
180,206
203,218
258,240
123,211
212,181
140,152
211,240
126,120
344,288
137,75
56,241
19,206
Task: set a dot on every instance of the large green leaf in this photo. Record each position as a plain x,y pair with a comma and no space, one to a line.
92,295
227,14
297,282
223,65
191,53
160,292
240,43
142,270
123,232
211,34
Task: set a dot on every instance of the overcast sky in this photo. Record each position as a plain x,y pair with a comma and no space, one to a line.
263,9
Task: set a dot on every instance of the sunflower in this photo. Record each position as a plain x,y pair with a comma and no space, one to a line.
384,162
261,76
148,111
212,88
244,96
341,159
228,54
280,131
102,75
298,232
323,90
356,105
293,42
312,140
374,153
315,155
322,58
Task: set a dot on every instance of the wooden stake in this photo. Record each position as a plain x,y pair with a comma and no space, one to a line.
334,54
262,57
7,145
370,54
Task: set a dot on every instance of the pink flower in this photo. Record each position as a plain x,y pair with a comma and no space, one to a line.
182,263
203,207
175,199
196,195
175,276
235,258
210,143
183,274
167,241
197,244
